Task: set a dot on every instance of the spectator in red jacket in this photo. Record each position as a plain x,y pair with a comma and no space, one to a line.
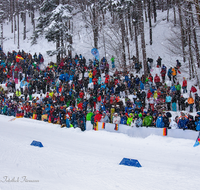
184,86
97,117
149,93
163,73
157,80
81,94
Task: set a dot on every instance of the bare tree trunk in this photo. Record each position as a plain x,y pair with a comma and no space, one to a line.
70,40
167,10
127,41
122,26
57,46
2,35
140,7
154,10
129,23
136,41
11,14
95,26
104,44
33,18
197,10
189,69
174,10
182,30
17,24
194,36
145,11
150,25
190,49
24,19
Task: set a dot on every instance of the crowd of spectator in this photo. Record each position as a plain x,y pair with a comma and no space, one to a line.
74,91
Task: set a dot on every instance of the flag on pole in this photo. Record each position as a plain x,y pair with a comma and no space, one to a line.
95,52
197,141
19,57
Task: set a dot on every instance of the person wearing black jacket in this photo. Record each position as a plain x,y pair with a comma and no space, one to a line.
166,121
39,112
182,103
196,101
62,116
174,100
191,124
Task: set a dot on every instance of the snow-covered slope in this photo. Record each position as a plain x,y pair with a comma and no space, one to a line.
74,160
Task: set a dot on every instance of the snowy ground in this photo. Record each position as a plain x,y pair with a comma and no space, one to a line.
71,159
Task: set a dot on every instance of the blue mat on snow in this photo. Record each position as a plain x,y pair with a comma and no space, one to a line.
130,162
37,143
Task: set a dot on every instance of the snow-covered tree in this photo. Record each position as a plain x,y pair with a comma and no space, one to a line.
3,16
52,23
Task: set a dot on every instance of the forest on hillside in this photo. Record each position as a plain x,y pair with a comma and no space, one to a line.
115,25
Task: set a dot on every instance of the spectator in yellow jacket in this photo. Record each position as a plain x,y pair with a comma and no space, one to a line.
18,93
51,94
90,76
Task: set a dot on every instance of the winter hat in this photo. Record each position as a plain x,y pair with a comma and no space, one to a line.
140,115
182,114
198,113
190,117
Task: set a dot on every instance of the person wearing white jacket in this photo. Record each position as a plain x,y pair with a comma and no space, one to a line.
151,102
173,124
116,118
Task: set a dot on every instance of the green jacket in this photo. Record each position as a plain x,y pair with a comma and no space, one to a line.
178,87
129,120
147,120
89,116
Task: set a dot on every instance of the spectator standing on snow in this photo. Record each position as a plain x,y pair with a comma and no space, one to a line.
184,86
168,101
174,101
191,123
159,121
163,73
196,101
157,80
138,120
183,121
116,118
197,121
191,103
169,73
174,74
159,61
178,64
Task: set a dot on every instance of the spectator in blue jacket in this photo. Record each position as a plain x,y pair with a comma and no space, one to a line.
183,121
197,123
168,101
141,86
159,121
124,119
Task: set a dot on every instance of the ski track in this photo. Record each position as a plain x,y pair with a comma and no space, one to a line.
71,159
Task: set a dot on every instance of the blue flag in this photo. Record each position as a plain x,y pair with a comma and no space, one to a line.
95,52
197,141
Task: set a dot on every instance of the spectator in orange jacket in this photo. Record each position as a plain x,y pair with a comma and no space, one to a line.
191,103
